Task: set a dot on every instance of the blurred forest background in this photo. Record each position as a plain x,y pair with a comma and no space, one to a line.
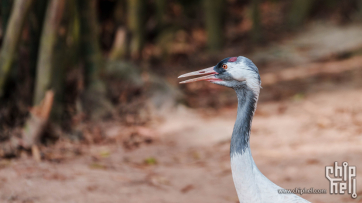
103,59
69,67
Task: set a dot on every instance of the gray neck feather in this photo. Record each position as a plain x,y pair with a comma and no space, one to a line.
246,106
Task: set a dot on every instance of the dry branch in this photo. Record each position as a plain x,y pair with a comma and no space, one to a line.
38,118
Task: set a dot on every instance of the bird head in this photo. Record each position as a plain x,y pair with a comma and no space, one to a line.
234,72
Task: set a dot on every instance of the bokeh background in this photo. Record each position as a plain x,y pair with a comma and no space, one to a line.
91,109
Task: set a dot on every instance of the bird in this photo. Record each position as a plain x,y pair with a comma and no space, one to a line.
241,74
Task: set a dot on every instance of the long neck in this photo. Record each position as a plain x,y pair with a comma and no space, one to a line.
245,173
246,106
250,184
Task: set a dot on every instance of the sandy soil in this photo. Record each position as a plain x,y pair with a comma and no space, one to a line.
292,141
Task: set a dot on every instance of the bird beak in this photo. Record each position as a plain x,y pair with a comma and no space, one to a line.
208,72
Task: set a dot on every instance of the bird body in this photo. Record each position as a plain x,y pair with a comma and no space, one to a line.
242,75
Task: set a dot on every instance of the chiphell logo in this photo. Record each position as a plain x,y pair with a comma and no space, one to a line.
342,179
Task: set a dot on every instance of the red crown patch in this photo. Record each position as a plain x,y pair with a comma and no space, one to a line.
233,59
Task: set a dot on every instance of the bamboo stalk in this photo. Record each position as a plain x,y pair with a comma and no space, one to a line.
136,25
90,47
94,96
299,12
160,13
36,20
48,39
213,21
39,116
5,13
11,40
32,129
256,18
119,45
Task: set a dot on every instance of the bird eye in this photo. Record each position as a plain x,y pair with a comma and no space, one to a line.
225,66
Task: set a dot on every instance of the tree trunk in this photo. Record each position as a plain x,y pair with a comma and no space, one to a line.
60,62
359,10
213,20
5,13
37,121
160,13
11,40
90,47
95,101
46,55
36,20
32,130
136,24
299,12
257,35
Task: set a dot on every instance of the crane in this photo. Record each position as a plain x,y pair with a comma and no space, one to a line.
241,74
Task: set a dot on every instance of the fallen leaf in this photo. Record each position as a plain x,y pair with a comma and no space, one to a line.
104,153
97,166
150,161
187,188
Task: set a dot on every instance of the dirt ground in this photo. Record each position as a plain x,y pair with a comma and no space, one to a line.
292,141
